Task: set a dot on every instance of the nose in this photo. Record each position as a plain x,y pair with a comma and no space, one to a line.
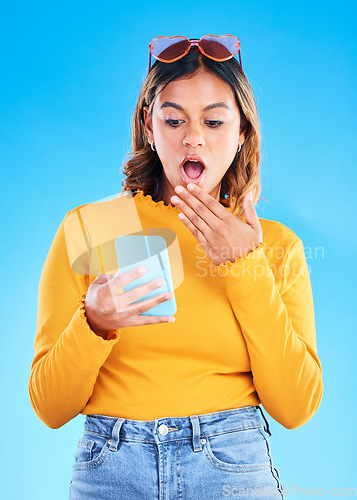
194,136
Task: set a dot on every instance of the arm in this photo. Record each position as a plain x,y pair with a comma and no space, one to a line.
279,329
68,354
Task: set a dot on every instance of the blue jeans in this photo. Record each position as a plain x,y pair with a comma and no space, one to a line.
209,456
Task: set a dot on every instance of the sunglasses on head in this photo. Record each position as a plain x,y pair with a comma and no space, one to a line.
219,48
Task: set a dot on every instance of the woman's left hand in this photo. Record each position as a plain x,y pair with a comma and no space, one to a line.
222,236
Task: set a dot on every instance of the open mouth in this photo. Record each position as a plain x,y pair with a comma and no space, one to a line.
193,172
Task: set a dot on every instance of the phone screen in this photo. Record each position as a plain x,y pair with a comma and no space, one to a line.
150,251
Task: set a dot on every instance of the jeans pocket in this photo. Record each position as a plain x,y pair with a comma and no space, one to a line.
91,451
242,450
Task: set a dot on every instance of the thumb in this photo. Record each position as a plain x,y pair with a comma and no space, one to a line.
103,278
251,215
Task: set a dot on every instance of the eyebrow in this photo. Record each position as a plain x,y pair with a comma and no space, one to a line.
168,104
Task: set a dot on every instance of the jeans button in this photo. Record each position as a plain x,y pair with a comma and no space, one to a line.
163,429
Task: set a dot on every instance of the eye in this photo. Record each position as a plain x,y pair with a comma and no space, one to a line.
216,123
212,123
170,122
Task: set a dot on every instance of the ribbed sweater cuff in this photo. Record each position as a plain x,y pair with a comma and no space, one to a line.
80,324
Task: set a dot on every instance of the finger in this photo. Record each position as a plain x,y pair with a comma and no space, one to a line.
142,306
250,213
120,279
188,203
148,320
208,201
103,278
140,291
197,232
197,219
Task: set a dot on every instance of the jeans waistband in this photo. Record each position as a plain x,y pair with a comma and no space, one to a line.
165,429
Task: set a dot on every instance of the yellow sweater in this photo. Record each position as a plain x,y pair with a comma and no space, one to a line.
244,332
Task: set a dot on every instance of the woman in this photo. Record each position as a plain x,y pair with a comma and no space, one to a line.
173,409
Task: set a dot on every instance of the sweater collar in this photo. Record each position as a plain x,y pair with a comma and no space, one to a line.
147,198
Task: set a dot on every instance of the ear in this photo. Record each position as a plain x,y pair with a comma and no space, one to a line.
242,135
147,120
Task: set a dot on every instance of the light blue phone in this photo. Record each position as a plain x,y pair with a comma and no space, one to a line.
150,251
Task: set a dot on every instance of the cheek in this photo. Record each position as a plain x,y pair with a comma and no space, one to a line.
167,153
165,141
226,145
231,146
168,145
232,139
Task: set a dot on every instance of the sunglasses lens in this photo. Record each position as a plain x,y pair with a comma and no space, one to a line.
220,47
167,49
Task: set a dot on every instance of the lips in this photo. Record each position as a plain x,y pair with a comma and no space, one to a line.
193,169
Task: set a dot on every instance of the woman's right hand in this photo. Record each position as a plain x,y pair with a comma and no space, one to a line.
106,309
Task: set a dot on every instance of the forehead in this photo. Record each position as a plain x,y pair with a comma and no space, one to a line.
200,90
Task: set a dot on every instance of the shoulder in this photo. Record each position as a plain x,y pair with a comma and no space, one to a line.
74,213
103,220
276,233
93,213
76,209
107,204
280,240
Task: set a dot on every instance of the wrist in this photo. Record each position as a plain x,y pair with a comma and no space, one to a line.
92,326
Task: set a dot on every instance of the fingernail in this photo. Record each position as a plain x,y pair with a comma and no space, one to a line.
142,270
171,320
250,196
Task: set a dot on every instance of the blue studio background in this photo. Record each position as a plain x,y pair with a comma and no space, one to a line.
70,77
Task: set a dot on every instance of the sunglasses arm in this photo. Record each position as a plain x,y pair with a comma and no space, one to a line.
240,60
149,62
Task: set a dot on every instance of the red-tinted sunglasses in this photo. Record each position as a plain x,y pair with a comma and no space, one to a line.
219,48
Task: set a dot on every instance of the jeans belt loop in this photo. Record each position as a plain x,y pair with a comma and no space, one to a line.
115,439
196,438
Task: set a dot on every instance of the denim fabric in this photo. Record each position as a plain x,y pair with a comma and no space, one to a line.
209,456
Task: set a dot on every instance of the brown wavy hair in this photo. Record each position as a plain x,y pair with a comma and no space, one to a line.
143,169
